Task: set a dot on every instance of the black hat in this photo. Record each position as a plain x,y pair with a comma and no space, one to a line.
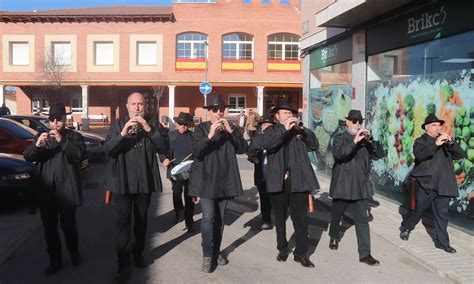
430,119
266,119
216,101
283,105
58,109
354,114
183,118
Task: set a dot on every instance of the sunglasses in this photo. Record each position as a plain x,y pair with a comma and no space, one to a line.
216,109
55,117
357,120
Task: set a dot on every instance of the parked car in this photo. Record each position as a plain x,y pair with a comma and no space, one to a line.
14,136
15,177
92,140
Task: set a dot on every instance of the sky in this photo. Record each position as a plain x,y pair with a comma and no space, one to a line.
29,5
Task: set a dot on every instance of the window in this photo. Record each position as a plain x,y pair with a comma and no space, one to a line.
191,46
146,53
266,2
76,103
61,53
247,1
20,53
237,46
103,53
283,47
237,103
284,1
40,103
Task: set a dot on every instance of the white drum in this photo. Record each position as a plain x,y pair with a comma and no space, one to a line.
181,171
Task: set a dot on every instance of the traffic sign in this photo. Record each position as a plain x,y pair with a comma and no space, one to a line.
205,88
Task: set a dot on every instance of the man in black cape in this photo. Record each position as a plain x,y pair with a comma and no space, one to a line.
350,186
290,179
215,176
133,142
58,155
435,180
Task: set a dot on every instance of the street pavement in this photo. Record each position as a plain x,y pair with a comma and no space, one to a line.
176,255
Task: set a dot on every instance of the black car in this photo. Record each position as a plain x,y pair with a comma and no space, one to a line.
93,141
15,177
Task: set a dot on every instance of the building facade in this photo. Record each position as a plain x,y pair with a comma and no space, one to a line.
397,61
92,59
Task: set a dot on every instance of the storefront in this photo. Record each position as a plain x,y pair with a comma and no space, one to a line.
329,97
425,68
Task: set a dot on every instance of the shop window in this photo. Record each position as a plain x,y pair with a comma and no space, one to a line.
20,54
237,46
61,53
76,103
237,103
191,46
283,46
103,53
146,53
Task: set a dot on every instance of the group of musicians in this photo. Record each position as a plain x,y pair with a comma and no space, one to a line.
283,175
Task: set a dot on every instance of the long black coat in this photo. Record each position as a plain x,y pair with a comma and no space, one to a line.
299,143
434,165
255,151
350,173
57,168
215,172
118,147
172,135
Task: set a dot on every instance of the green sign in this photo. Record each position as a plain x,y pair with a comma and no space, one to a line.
331,54
440,19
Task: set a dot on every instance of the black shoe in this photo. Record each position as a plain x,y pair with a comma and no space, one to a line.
404,234
123,274
206,265
140,262
304,261
221,260
191,229
53,268
447,248
333,244
370,260
266,226
76,258
283,255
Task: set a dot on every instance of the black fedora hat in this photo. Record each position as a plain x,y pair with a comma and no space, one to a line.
216,101
266,119
283,105
354,114
58,109
431,119
183,118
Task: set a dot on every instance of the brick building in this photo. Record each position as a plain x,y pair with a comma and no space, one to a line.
91,59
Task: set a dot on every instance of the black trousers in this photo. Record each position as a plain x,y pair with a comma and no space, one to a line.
51,213
178,188
265,204
440,207
126,205
297,205
361,222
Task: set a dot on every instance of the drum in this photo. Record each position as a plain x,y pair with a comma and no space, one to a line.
181,171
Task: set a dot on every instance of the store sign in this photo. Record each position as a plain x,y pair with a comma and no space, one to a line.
331,54
441,19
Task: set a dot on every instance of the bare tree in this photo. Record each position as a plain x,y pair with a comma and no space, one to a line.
55,72
158,91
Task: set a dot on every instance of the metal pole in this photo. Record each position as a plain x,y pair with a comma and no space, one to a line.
205,79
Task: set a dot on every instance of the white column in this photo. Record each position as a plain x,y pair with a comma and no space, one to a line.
171,105
260,99
359,71
2,95
85,107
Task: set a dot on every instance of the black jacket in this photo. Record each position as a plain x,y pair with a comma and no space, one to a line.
434,165
215,172
120,149
350,178
57,168
172,135
255,155
298,143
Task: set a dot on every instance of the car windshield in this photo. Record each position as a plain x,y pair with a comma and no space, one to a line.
17,129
